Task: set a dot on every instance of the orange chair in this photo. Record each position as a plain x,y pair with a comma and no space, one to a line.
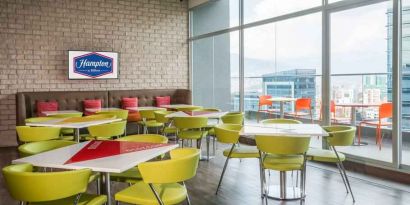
385,112
264,101
302,104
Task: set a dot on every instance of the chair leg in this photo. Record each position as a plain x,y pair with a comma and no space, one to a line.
117,203
261,174
343,178
156,194
359,133
344,173
207,146
188,200
98,181
224,169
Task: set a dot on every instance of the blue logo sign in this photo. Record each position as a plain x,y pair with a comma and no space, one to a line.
93,65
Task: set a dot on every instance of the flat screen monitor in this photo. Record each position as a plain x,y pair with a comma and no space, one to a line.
92,65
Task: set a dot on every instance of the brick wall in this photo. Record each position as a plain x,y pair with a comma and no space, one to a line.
35,35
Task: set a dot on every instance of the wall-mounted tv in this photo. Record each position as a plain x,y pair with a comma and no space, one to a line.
92,65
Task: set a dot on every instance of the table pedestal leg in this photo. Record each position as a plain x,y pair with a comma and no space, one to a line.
107,190
282,112
282,192
77,134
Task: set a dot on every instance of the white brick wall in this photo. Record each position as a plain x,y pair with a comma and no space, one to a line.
35,35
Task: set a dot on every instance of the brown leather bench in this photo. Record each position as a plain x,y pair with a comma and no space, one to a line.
73,100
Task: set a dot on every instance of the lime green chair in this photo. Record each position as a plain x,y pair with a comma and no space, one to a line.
280,121
163,181
37,119
107,131
100,116
338,136
191,128
229,134
120,113
67,115
233,118
149,120
189,108
133,175
49,188
33,148
209,109
35,134
282,153
160,117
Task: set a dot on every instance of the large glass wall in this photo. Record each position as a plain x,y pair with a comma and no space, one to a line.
360,71
275,48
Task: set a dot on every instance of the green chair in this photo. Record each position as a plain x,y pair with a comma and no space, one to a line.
189,108
282,153
49,188
148,120
280,121
191,128
338,136
133,175
229,134
233,118
163,181
35,134
160,117
120,113
107,131
33,148
37,119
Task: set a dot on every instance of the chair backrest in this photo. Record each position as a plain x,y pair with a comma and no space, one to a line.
35,134
149,114
233,118
37,119
28,186
160,116
66,115
120,113
145,138
182,166
332,106
33,148
189,108
288,145
281,121
303,104
340,135
263,100
227,133
386,110
190,122
108,130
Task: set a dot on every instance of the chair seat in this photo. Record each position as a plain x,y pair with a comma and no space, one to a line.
170,130
376,123
67,131
130,176
242,152
88,137
191,134
140,193
211,132
322,155
93,177
151,123
85,199
283,162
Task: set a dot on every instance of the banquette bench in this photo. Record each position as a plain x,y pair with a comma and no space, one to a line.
73,100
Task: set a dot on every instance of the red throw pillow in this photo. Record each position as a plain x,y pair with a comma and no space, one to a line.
91,104
129,102
46,106
166,100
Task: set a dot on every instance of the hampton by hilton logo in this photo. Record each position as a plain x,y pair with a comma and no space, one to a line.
93,65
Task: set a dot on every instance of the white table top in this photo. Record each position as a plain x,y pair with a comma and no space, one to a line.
102,109
113,164
51,113
175,106
281,99
144,108
284,129
207,114
75,125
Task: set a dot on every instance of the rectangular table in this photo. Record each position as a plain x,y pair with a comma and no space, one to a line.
74,125
144,108
61,112
291,130
176,106
207,114
112,164
105,109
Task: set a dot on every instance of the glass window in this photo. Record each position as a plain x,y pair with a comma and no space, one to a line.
405,83
255,10
361,76
215,71
214,16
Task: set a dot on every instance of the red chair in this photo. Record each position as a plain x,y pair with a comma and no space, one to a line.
264,101
302,104
385,112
